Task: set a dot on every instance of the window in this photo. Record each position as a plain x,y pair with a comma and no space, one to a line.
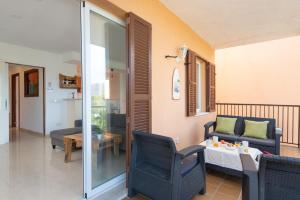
200,86
201,90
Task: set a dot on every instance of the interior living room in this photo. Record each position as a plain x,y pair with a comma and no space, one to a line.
150,99
41,54
42,74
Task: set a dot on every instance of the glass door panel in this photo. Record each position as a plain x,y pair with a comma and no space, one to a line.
104,67
108,98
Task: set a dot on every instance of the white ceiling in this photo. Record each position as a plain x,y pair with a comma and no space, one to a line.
50,25
226,23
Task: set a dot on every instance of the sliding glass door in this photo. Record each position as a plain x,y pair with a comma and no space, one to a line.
104,99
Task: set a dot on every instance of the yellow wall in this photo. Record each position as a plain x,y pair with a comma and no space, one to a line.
266,72
168,33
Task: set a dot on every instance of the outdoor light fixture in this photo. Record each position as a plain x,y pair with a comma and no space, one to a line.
182,51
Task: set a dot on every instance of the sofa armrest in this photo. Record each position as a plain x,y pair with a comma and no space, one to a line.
207,127
190,150
278,134
250,178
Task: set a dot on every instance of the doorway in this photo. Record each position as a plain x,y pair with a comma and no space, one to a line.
15,103
27,97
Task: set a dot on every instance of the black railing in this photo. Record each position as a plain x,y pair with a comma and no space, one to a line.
287,117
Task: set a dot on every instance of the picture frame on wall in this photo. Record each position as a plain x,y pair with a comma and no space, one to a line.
31,83
176,85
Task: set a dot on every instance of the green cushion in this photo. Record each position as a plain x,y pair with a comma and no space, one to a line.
256,129
226,125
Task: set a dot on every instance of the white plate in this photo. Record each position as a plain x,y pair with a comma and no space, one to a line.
229,148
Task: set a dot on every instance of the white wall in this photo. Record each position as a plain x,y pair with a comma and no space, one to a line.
31,108
53,63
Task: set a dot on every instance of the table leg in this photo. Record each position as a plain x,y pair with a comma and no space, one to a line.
116,147
68,149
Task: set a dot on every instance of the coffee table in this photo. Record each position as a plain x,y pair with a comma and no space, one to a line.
105,140
227,161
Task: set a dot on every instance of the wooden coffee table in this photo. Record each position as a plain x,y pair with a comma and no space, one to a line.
106,140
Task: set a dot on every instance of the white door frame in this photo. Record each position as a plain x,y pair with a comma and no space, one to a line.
89,192
4,105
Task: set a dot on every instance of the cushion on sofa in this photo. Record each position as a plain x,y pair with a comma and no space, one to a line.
226,125
270,128
59,134
256,129
225,137
263,142
238,129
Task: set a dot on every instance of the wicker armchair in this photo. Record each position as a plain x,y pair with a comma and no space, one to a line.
278,178
160,172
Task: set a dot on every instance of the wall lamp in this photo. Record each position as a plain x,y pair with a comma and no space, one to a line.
182,52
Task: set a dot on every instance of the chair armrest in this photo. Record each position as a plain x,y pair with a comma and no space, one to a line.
250,178
190,150
248,163
207,127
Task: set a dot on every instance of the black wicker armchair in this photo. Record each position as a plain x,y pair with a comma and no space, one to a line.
160,172
278,178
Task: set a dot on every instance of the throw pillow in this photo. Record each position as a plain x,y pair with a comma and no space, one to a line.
226,125
256,129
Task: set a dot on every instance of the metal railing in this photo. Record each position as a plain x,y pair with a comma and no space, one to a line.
287,117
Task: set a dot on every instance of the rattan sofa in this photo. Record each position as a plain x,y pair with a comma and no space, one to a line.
271,144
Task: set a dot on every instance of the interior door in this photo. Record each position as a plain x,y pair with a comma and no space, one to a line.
4,112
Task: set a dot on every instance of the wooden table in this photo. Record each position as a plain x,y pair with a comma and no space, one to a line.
104,141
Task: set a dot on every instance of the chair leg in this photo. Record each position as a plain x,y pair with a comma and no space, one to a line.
203,191
131,192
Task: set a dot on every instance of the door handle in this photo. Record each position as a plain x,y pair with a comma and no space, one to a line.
6,104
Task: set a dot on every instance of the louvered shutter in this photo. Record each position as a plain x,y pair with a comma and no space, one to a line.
139,40
191,83
211,88
139,35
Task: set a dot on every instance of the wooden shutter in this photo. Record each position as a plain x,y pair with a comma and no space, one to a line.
139,38
211,87
191,83
139,33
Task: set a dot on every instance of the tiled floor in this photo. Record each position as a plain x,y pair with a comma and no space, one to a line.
30,169
223,187
219,187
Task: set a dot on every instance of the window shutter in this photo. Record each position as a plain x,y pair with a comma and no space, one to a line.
211,87
139,34
139,42
191,83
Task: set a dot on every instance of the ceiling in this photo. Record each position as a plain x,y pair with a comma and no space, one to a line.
50,25
227,23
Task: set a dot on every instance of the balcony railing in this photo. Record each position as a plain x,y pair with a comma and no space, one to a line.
287,117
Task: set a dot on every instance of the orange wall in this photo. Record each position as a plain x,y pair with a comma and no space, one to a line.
169,32
266,72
